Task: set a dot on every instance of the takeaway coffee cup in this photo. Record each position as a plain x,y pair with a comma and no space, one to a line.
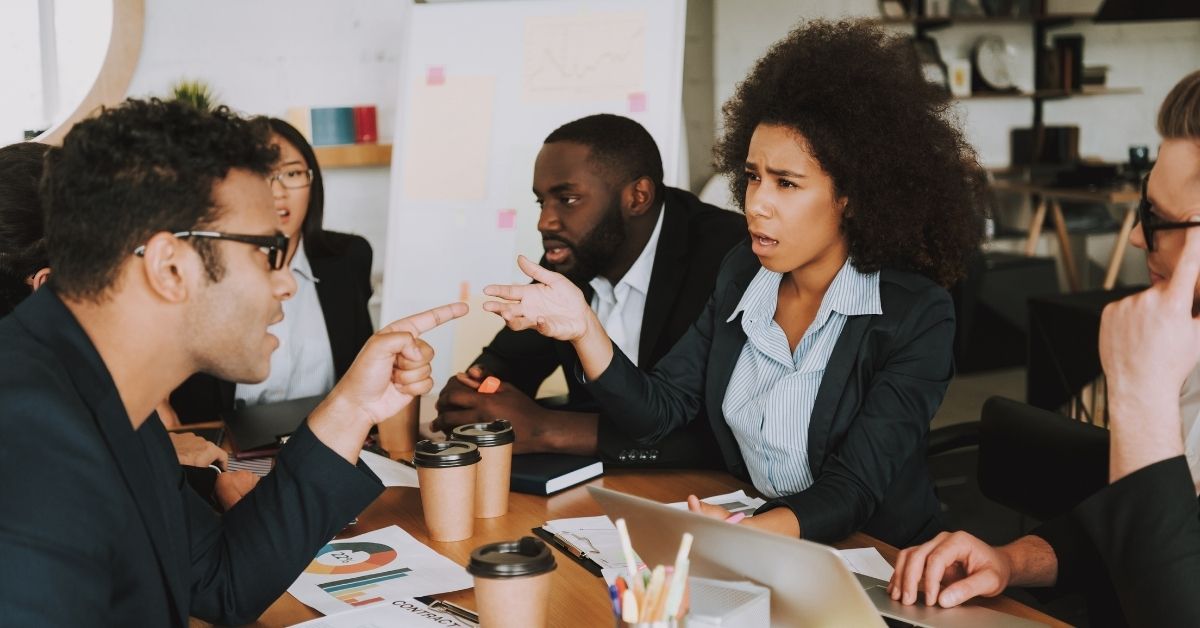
446,471
512,583
495,443
398,434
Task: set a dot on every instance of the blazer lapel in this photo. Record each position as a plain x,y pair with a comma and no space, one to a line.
833,385
340,329
58,329
666,280
728,340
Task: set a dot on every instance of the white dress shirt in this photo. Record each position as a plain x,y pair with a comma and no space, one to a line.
620,308
302,365
769,401
1189,411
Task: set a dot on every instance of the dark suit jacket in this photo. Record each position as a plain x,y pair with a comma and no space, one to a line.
1134,548
99,527
694,238
343,273
866,439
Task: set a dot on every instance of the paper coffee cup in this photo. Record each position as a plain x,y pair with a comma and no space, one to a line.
446,471
512,583
495,443
398,433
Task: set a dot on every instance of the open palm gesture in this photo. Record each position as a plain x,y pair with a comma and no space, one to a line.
554,306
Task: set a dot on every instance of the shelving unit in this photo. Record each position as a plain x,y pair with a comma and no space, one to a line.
1041,26
354,156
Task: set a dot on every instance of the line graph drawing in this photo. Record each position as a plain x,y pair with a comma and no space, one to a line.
597,56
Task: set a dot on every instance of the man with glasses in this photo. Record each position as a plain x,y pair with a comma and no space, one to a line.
167,261
1135,545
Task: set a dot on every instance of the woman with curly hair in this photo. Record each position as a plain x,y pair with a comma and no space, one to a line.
825,348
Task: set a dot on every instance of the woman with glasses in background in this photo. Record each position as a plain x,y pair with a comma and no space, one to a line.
326,322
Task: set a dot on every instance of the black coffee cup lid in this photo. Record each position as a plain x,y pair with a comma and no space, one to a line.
442,454
491,434
511,559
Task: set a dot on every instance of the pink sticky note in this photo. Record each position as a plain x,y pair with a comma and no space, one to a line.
637,102
435,75
506,219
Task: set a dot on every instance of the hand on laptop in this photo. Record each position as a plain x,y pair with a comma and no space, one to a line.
392,369
954,567
194,451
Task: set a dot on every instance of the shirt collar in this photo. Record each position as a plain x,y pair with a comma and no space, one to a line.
300,265
638,275
852,294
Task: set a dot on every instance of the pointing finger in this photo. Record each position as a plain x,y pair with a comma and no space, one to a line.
427,320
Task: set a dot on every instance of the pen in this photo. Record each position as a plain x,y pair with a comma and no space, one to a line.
447,607
616,602
569,547
735,517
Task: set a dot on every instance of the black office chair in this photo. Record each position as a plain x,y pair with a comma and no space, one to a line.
1037,462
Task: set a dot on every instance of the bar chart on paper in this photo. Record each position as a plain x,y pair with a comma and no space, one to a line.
377,567
359,591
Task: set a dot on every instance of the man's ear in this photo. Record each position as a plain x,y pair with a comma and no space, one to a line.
36,280
166,264
639,197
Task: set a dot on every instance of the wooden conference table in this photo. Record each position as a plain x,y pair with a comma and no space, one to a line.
577,598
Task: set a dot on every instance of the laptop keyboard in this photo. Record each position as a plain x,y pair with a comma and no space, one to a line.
896,623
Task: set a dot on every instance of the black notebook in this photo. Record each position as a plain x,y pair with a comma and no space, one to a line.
543,474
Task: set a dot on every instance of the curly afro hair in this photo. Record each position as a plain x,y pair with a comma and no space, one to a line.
916,194
22,249
136,169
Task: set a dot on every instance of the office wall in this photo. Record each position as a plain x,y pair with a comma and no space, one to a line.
1150,55
264,56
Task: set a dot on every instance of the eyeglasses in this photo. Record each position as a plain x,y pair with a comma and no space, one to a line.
1152,222
274,246
292,179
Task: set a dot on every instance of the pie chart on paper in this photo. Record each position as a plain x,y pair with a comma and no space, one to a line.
350,557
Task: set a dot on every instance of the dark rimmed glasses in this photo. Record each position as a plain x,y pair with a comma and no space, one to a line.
292,178
1152,222
273,246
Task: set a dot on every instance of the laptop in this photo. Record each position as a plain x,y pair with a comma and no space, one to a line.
260,430
810,585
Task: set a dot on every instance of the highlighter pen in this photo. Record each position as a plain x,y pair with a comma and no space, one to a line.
735,517
490,385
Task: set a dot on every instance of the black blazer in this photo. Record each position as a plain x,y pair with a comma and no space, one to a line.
866,439
694,238
99,527
343,272
1134,548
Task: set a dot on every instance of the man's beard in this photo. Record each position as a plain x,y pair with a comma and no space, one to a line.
595,251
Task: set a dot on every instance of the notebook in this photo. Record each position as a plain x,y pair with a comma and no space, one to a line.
543,474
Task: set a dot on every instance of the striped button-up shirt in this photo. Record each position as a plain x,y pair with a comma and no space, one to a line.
770,396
